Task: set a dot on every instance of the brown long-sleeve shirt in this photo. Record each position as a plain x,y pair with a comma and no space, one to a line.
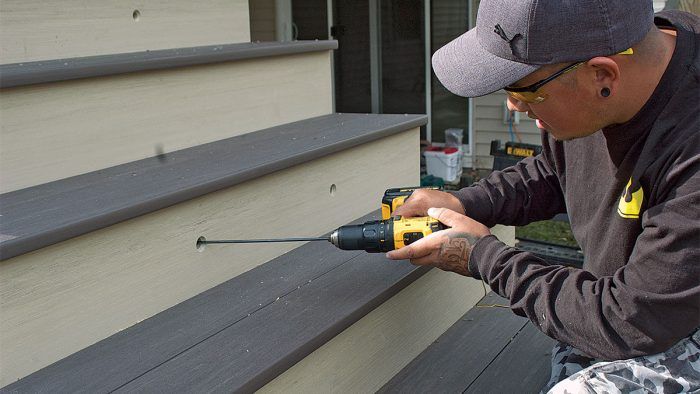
632,192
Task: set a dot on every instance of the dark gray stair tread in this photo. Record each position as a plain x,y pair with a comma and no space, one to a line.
238,335
28,73
523,367
462,353
42,215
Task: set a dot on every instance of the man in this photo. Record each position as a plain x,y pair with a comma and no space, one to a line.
615,93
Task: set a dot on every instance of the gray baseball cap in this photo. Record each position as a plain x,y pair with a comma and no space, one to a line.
513,38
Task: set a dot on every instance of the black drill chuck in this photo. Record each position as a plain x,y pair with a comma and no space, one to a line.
374,236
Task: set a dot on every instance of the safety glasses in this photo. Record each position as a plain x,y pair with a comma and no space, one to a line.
531,94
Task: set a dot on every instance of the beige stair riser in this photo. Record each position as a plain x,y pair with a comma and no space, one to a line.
62,298
53,131
369,353
32,30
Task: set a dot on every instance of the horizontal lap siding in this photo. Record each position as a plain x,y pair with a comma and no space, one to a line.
488,126
33,30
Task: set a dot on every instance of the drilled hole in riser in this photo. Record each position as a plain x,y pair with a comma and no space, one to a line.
160,153
201,244
333,189
136,15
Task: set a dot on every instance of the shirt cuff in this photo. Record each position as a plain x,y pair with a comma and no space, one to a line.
484,255
472,199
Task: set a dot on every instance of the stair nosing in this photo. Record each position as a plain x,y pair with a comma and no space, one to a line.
45,71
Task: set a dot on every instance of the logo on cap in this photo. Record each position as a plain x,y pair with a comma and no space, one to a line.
499,30
512,42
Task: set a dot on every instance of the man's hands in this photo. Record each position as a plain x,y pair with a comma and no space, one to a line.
446,249
422,199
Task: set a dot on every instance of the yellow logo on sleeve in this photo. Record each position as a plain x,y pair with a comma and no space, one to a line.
630,204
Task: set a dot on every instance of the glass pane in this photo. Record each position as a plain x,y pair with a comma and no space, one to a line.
403,57
309,20
449,19
352,70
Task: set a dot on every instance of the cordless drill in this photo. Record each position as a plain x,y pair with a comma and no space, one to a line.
384,235
375,236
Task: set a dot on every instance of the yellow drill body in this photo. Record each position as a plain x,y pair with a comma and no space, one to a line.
384,235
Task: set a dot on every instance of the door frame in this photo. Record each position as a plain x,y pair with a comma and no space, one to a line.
375,67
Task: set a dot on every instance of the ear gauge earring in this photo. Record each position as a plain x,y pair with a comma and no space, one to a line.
605,92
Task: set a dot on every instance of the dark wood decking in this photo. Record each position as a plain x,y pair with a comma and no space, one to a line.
489,350
239,335
223,339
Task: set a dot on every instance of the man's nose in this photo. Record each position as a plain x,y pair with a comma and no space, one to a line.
516,105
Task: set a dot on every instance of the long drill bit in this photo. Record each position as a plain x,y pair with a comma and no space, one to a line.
248,241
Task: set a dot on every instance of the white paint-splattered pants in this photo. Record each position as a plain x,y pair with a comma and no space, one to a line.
677,370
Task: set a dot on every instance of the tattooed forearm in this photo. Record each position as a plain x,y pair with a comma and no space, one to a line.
454,254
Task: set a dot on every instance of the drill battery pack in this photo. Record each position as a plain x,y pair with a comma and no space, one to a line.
394,198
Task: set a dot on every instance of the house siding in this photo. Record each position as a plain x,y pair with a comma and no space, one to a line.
35,30
489,125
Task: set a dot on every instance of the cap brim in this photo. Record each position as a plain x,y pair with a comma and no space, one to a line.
466,69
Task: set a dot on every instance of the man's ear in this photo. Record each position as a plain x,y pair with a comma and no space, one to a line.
606,75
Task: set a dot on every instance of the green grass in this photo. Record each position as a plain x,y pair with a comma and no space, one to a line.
548,231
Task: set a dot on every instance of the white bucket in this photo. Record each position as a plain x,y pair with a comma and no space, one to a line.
441,164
